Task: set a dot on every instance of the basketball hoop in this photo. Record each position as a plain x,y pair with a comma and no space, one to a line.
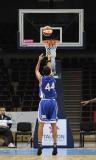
47,30
50,45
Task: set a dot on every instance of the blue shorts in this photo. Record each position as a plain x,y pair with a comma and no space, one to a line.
47,111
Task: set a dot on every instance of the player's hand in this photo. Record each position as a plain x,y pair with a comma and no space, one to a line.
41,57
84,103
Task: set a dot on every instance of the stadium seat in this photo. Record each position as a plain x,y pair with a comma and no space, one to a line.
24,128
86,128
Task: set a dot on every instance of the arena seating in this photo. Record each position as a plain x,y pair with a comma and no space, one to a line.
17,84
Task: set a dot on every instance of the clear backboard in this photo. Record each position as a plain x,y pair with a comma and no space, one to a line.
70,23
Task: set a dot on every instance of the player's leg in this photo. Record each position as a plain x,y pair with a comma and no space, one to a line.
54,134
40,131
40,127
40,135
54,125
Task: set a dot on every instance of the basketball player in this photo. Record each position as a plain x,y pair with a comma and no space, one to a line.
47,111
88,101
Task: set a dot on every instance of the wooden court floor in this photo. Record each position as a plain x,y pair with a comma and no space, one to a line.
65,157
63,154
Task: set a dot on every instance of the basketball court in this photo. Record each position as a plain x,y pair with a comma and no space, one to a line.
63,154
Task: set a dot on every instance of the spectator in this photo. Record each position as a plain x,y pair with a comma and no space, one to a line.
5,125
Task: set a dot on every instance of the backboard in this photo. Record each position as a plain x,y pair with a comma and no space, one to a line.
69,21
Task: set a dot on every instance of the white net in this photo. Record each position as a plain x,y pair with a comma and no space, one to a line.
52,51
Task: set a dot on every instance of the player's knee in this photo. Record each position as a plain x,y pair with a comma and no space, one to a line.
53,125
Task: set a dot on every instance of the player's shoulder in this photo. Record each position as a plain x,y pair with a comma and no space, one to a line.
48,77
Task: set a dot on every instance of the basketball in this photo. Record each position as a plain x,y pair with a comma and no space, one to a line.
47,31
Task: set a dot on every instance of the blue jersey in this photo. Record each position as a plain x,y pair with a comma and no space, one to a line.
47,87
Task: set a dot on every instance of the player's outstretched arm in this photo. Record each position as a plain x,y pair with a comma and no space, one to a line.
84,102
88,101
37,68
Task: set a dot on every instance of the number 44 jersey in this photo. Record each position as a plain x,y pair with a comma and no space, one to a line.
47,88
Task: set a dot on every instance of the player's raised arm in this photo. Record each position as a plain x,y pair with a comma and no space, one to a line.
37,68
84,102
49,64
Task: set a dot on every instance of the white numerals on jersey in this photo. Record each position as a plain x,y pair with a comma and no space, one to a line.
50,86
